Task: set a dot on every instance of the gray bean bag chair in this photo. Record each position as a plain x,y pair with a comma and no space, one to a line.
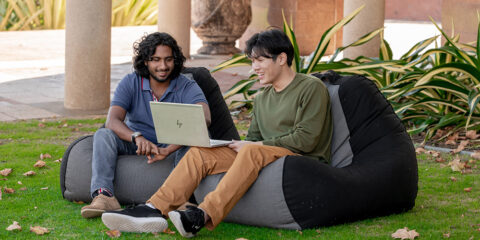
135,180
373,170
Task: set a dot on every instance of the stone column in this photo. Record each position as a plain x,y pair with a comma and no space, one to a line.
174,19
370,18
87,54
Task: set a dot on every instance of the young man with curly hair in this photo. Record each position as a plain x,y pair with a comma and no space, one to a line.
290,117
129,129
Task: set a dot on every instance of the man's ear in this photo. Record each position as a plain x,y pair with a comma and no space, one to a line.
282,58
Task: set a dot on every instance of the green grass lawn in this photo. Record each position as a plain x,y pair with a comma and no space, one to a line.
442,206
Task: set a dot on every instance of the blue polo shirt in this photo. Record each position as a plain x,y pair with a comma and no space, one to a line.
134,94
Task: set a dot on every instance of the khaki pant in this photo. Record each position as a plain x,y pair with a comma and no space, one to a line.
242,170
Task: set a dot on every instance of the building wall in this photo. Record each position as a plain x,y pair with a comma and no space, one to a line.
413,10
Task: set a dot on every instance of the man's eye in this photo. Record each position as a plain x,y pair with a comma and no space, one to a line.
155,59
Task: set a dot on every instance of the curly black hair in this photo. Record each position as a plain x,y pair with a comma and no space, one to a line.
144,48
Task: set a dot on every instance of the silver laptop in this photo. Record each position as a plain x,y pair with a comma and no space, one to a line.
182,124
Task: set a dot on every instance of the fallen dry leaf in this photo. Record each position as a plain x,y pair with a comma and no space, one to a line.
453,179
79,202
420,150
45,155
39,164
8,190
19,183
5,172
403,233
300,232
468,189
461,146
44,188
23,189
439,160
446,235
29,173
113,233
456,165
475,155
14,226
472,134
450,142
435,154
58,160
41,125
439,133
168,231
38,230
241,239
0,193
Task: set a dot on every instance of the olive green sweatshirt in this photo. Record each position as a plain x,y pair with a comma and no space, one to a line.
297,118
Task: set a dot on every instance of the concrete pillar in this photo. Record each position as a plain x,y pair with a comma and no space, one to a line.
174,19
370,18
87,54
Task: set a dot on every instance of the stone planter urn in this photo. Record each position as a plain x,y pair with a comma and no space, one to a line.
219,23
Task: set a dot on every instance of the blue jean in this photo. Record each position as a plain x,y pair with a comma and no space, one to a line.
106,148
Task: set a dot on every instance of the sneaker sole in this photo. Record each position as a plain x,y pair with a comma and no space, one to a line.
175,218
91,213
125,223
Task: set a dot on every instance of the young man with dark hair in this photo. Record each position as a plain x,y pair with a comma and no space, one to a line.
157,61
290,117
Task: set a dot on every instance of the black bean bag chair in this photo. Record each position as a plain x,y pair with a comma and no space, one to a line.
373,171
135,180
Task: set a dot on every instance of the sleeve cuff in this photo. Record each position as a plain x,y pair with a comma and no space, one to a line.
268,142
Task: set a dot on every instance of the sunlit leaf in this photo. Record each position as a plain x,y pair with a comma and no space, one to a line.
404,233
14,226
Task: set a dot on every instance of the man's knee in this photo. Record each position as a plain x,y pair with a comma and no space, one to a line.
250,148
104,135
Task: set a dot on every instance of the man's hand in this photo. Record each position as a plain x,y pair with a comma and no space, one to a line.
162,154
237,145
145,147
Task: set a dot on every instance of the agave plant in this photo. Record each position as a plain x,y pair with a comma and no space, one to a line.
435,88
304,64
134,12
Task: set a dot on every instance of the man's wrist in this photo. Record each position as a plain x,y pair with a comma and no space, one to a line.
135,135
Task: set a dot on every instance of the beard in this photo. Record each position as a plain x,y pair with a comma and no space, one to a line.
161,80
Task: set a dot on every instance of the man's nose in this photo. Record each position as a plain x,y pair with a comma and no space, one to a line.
163,64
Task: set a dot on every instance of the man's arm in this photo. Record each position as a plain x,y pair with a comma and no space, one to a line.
115,122
253,130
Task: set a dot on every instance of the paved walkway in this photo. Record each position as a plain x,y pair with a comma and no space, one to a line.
32,66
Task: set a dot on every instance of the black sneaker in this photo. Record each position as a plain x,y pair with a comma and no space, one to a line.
188,222
140,218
